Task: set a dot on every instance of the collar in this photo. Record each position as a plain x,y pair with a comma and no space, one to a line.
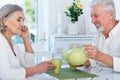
115,30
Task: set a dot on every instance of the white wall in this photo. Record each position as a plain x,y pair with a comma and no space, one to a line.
50,11
51,8
19,2
117,6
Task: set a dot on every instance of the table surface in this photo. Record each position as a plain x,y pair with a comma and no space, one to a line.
104,73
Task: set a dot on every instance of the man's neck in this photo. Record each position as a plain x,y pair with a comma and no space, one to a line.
109,28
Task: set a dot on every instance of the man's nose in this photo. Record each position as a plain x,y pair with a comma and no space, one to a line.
93,20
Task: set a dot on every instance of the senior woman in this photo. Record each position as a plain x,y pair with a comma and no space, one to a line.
15,64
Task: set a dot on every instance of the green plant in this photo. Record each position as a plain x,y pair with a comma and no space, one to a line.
30,11
74,10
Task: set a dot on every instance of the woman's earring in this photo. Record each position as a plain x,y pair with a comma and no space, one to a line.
4,29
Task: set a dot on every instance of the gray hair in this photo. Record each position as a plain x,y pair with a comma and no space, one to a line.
108,5
5,11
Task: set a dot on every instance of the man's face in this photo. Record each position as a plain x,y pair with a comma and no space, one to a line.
100,18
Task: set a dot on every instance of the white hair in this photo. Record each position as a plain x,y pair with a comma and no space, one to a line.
5,11
108,5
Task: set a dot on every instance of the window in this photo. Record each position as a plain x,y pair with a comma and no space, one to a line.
30,10
31,18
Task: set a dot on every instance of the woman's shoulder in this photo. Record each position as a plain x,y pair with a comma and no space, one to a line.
2,39
1,36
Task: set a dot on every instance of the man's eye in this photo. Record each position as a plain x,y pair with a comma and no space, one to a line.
95,16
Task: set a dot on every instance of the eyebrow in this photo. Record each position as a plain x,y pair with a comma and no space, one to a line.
22,18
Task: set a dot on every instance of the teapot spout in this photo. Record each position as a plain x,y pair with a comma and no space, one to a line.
64,53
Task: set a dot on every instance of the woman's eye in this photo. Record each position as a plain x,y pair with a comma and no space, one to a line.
18,20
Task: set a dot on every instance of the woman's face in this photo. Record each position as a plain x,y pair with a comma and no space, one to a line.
15,22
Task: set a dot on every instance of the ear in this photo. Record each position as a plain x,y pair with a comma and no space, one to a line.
111,14
4,20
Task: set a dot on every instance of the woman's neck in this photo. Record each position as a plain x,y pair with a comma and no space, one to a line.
8,38
8,35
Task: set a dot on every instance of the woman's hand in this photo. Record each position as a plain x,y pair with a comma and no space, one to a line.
25,32
26,39
44,66
39,68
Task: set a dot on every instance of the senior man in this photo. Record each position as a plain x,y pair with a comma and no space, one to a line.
107,50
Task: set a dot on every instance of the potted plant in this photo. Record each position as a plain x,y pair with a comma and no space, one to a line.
73,12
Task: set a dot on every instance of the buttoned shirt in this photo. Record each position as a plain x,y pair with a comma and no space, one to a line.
110,46
13,67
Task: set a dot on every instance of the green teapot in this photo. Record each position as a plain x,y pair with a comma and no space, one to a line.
75,57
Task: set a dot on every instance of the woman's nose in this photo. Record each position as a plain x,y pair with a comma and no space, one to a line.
22,24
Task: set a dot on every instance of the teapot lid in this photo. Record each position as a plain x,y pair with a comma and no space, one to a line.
74,46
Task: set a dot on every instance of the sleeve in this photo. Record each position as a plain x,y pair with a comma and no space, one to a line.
116,64
26,59
7,72
92,62
29,59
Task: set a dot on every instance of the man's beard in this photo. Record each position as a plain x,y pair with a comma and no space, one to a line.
101,29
